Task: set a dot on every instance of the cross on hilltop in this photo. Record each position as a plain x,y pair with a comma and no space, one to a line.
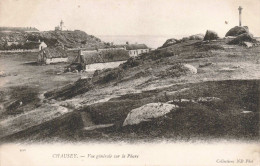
240,11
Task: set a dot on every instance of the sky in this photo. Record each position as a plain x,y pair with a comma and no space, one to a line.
132,17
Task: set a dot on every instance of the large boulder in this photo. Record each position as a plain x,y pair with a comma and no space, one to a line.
211,35
248,44
193,37
147,112
2,74
184,39
237,30
170,42
191,68
245,37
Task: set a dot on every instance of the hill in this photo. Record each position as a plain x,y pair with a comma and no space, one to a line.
211,86
70,39
18,29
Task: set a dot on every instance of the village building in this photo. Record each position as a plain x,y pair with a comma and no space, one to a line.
9,43
98,59
52,55
112,48
28,45
136,49
57,28
60,27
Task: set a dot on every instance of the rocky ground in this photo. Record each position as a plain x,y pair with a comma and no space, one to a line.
189,90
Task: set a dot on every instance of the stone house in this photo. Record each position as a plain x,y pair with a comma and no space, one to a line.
136,49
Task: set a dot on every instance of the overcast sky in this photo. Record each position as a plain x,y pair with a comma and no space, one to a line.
132,17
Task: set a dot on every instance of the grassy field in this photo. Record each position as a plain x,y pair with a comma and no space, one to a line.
229,73
23,83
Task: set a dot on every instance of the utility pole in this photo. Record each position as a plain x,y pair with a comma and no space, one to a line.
240,11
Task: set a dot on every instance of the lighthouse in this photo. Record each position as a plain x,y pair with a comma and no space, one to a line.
61,24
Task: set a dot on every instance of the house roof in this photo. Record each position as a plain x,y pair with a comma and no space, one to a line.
115,46
136,46
56,52
89,57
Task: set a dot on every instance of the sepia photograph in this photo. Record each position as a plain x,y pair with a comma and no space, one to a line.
129,82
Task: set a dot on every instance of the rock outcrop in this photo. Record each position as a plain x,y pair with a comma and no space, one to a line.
173,41
245,37
70,39
191,68
211,35
237,30
248,44
170,42
196,37
208,99
147,112
185,39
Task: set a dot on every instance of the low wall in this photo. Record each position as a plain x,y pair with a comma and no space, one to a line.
95,50
17,51
56,60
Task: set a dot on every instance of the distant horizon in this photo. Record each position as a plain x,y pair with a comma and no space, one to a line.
96,34
159,35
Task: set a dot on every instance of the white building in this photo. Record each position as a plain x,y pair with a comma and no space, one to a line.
52,55
136,49
9,43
